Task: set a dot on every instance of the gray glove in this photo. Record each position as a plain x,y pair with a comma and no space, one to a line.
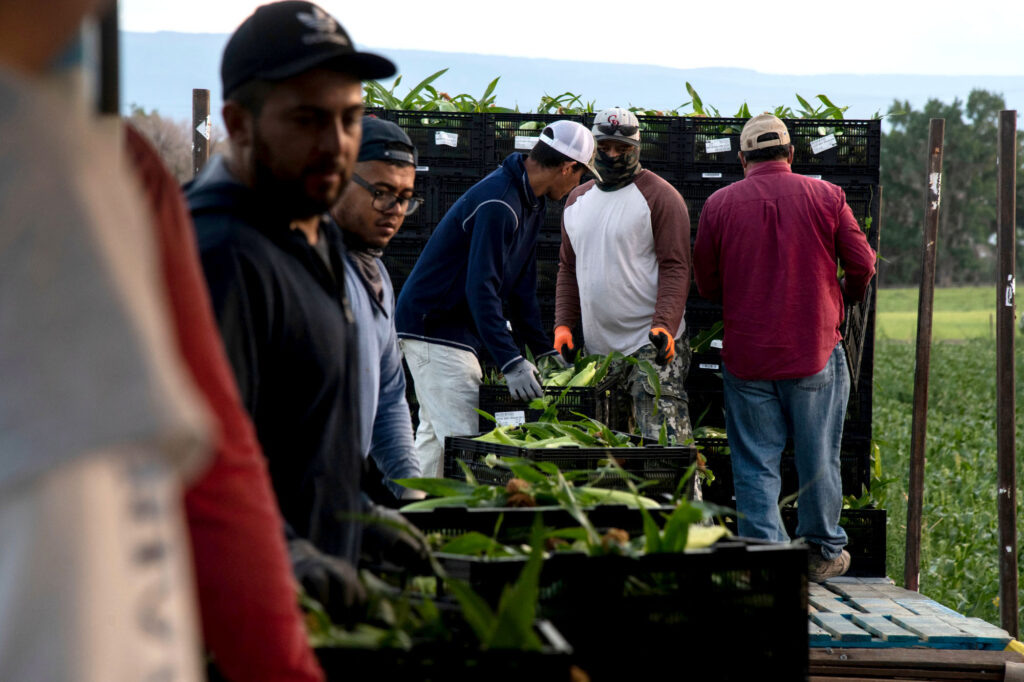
524,381
330,580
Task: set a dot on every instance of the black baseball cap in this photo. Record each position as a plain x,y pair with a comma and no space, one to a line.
283,39
385,141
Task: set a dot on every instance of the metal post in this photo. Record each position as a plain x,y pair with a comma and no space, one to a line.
110,55
200,129
912,566
1005,400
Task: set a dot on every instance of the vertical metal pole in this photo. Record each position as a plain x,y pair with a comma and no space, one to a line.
110,58
912,566
1005,399
200,129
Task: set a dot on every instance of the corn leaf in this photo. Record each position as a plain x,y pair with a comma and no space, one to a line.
677,527
517,609
438,487
528,474
468,473
436,502
475,544
414,93
474,609
705,536
652,534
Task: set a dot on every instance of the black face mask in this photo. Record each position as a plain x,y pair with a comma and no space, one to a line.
617,172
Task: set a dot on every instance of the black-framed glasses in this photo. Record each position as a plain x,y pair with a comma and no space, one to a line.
611,129
384,201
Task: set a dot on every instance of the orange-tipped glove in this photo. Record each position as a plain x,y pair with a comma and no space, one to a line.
664,344
563,342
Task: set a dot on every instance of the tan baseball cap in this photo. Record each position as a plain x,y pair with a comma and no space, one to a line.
762,131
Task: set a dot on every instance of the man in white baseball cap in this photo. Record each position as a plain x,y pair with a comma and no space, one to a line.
624,273
479,259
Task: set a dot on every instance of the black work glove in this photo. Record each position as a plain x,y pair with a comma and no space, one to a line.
389,538
331,581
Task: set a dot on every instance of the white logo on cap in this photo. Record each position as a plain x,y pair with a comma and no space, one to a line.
323,23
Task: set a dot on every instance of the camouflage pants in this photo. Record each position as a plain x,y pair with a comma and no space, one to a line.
636,395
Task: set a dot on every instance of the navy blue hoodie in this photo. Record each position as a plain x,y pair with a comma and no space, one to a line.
481,255
289,334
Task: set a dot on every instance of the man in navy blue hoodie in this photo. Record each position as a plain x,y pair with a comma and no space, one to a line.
481,256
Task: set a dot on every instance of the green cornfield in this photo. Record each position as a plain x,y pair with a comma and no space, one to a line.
959,554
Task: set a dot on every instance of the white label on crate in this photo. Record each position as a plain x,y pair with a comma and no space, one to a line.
711,175
204,127
705,365
449,139
823,144
1011,290
526,142
815,177
510,418
716,146
716,343
422,169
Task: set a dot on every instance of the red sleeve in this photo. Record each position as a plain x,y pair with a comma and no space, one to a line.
670,223
247,596
567,290
855,255
706,273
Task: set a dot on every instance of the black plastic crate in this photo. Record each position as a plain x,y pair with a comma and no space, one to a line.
696,193
401,255
661,143
516,522
457,659
699,607
516,132
710,149
591,401
447,190
453,142
547,264
854,465
660,468
865,529
838,150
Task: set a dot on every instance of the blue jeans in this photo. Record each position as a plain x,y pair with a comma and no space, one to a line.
759,416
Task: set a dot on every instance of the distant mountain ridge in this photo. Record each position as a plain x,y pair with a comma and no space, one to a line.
159,71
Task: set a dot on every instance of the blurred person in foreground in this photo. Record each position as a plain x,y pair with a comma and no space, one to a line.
370,212
768,247
275,264
482,255
99,426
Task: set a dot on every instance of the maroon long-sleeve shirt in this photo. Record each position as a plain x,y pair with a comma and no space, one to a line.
768,247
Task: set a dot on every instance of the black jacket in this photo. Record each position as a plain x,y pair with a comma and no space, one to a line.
290,336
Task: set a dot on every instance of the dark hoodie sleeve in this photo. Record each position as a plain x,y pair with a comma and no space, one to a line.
524,312
493,229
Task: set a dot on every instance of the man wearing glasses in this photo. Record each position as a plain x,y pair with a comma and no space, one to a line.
370,212
624,272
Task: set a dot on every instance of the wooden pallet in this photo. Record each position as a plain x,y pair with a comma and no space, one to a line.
864,665
872,613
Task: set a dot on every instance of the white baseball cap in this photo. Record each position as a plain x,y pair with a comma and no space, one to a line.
573,140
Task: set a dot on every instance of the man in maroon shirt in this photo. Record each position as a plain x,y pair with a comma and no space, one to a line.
768,247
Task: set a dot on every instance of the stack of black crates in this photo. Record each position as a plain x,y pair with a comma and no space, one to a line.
697,155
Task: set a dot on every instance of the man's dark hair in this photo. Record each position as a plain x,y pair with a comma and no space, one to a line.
776,153
251,95
547,157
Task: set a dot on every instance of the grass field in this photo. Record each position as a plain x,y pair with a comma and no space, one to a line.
960,313
959,558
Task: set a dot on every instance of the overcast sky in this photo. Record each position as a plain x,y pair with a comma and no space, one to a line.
982,37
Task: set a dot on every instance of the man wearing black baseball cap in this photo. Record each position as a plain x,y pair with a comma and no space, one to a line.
275,265
370,212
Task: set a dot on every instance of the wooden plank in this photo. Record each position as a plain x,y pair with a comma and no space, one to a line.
886,607
918,657
816,634
928,607
933,630
883,628
840,628
985,632
827,605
